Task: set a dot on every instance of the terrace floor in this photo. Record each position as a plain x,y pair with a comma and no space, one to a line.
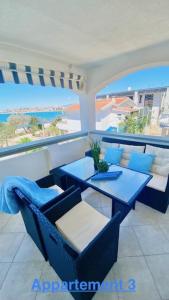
143,256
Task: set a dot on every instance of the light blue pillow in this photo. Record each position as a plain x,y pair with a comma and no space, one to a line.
141,162
113,155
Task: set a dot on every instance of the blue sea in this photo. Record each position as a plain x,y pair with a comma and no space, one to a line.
46,116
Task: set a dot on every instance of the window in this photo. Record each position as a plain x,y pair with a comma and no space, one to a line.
148,101
140,98
29,113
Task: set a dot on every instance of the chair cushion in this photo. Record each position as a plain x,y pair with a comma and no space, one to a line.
113,155
158,182
81,224
57,188
161,163
141,162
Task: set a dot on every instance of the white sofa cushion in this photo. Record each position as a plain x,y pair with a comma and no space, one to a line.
128,149
158,182
105,146
161,162
81,224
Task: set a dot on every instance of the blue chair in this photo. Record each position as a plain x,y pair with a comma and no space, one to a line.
93,262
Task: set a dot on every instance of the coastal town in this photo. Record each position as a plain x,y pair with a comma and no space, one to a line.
136,112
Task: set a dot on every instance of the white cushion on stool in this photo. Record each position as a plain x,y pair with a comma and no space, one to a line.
81,224
57,189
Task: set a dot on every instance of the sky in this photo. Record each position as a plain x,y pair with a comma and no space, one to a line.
147,78
22,95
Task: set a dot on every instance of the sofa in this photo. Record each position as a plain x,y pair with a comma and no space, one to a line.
156,193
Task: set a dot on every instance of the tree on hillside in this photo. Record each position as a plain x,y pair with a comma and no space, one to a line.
35,124
20,121
34,121
134,124
6,131
56,121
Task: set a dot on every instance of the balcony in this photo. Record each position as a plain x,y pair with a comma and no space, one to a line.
83,46
143,245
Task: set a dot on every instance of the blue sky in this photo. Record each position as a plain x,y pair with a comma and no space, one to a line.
12,95
147,78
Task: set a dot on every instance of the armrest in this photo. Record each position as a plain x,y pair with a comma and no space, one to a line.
61,207
58,198
167,188
46,181
88,153
107,238
21,196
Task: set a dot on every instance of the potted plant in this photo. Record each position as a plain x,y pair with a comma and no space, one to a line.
102,166
95,151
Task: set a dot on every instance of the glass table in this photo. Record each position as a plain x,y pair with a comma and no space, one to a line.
123,191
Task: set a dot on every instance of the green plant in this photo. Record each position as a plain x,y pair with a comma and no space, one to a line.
134,124
102,166
95,151
25,140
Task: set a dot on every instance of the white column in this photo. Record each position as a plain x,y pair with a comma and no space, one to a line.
87,112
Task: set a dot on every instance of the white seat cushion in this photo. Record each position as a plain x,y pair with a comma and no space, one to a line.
161,162
158,182
57,189
81,224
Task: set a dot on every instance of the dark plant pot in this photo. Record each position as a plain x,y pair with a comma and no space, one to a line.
95,166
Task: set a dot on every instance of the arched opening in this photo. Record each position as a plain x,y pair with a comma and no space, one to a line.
32,112
137,103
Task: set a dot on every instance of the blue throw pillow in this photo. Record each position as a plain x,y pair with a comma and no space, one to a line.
141,162
113,155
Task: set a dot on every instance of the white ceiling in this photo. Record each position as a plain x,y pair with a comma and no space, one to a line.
84,33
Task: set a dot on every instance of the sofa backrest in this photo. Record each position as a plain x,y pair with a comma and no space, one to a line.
133,142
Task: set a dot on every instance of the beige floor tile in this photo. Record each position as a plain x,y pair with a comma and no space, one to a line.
128,244
19,280
159,266
9,245
15,224
136,268
4,218
151,239
4,267
28,251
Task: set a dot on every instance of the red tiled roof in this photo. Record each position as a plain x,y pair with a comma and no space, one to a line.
73,107
124,109
119,100
99,105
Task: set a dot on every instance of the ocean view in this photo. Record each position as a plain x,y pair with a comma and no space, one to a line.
45,116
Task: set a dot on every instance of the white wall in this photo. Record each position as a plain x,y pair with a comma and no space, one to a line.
37,164
67,151
33,165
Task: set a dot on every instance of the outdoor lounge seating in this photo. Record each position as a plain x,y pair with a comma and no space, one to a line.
90,262
156,193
